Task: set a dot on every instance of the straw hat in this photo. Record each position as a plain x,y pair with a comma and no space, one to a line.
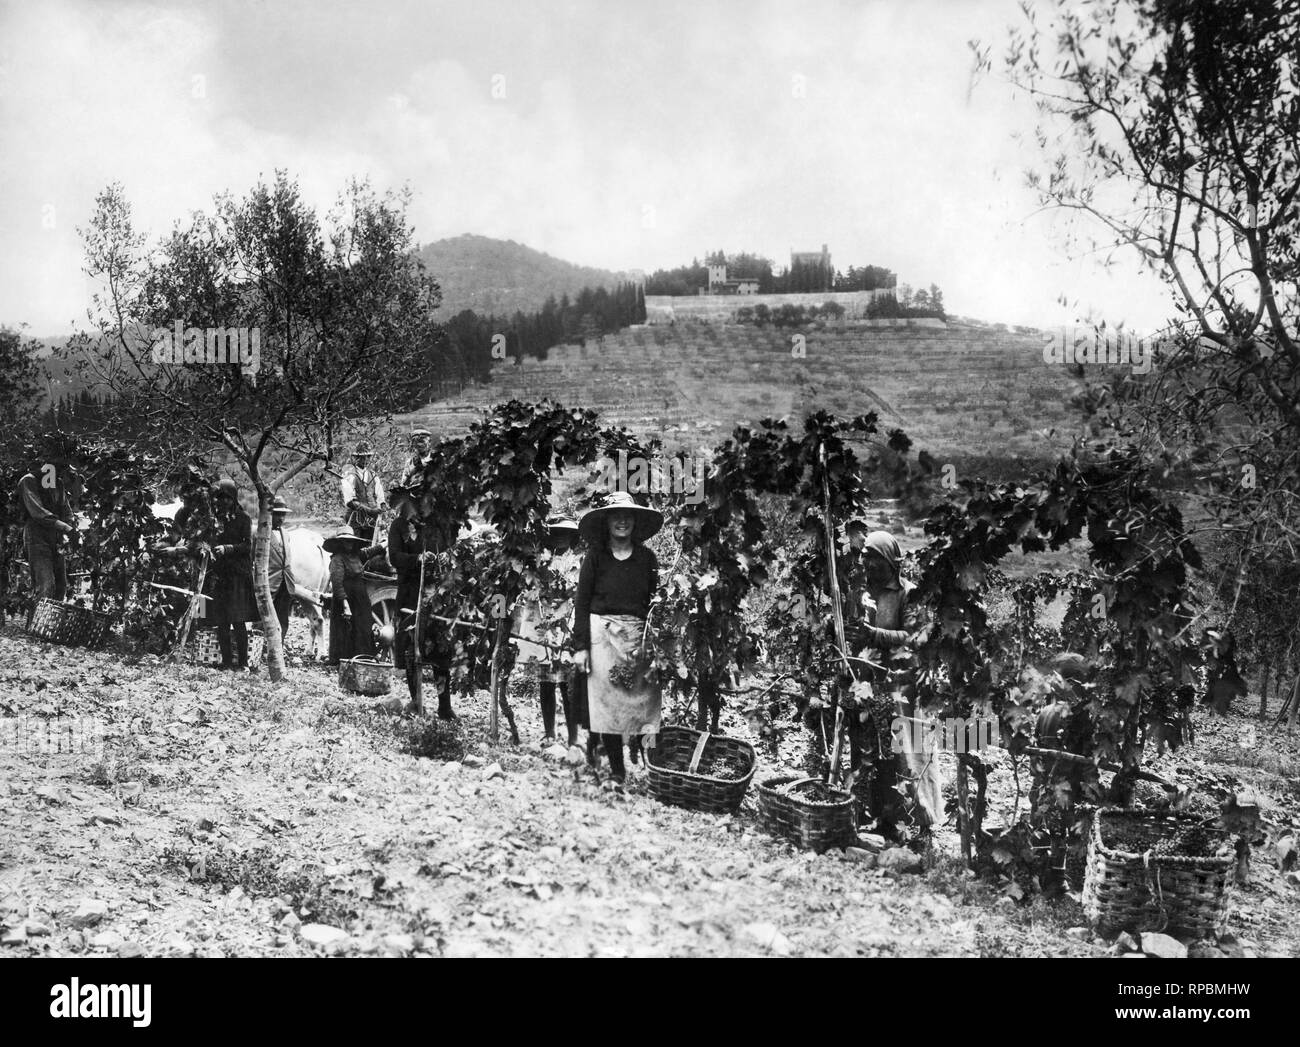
647,521
339,541
279,505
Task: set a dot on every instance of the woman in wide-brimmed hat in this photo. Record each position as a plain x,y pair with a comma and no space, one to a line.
348,554
618,579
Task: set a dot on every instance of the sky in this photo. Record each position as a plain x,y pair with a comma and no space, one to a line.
616,134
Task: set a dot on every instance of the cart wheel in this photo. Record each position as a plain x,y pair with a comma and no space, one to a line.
383,618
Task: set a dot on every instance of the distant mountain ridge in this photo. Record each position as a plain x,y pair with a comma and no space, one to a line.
501,276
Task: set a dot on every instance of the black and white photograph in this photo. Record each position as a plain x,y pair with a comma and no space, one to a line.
627,480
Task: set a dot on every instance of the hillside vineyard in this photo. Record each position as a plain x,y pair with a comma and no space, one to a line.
956,390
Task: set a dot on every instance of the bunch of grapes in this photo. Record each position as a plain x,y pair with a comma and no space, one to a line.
627,673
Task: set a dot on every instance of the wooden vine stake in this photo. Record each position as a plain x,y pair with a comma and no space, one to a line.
417,642
837,749
494,719
500,703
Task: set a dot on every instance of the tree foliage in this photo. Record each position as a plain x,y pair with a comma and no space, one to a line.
19,382
1171,130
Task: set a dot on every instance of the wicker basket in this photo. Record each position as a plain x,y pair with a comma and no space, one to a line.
679,748
68,624
1126,890
203,648
365,676
815,826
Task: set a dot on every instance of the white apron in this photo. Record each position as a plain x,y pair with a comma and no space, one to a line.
614,710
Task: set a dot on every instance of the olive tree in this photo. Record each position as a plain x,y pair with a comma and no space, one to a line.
258,330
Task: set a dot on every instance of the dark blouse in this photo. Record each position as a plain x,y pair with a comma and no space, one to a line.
235,534
404,549
607,585
350,565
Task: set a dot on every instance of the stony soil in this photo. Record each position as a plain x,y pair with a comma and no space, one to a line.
228,817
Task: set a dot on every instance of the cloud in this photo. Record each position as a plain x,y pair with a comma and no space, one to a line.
627,136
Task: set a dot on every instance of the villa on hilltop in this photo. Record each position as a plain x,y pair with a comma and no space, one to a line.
811,270
719,284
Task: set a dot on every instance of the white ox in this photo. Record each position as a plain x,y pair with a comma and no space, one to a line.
310,567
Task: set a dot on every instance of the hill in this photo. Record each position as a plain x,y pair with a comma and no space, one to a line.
501,276
963,392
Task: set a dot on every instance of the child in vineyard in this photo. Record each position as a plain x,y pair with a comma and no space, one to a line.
617,581
546,622
887,625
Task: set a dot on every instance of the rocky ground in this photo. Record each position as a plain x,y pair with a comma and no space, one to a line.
227,817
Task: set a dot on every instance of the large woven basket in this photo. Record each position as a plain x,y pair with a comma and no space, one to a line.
203,648
670,779
810,824
365,676
66,623
1132,890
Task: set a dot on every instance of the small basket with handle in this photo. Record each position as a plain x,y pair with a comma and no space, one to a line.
365,676
813,824
677,769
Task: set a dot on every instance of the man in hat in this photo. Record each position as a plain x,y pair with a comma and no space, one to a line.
363,491
851,572
421,455
348,554
411,540
232,605
46,495
279,566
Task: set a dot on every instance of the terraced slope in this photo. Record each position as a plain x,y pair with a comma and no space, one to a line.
958,391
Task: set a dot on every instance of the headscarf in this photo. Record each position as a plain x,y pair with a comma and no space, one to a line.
883,543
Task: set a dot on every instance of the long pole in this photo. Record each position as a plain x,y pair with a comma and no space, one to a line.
838,611
494,719
417,656
188,618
